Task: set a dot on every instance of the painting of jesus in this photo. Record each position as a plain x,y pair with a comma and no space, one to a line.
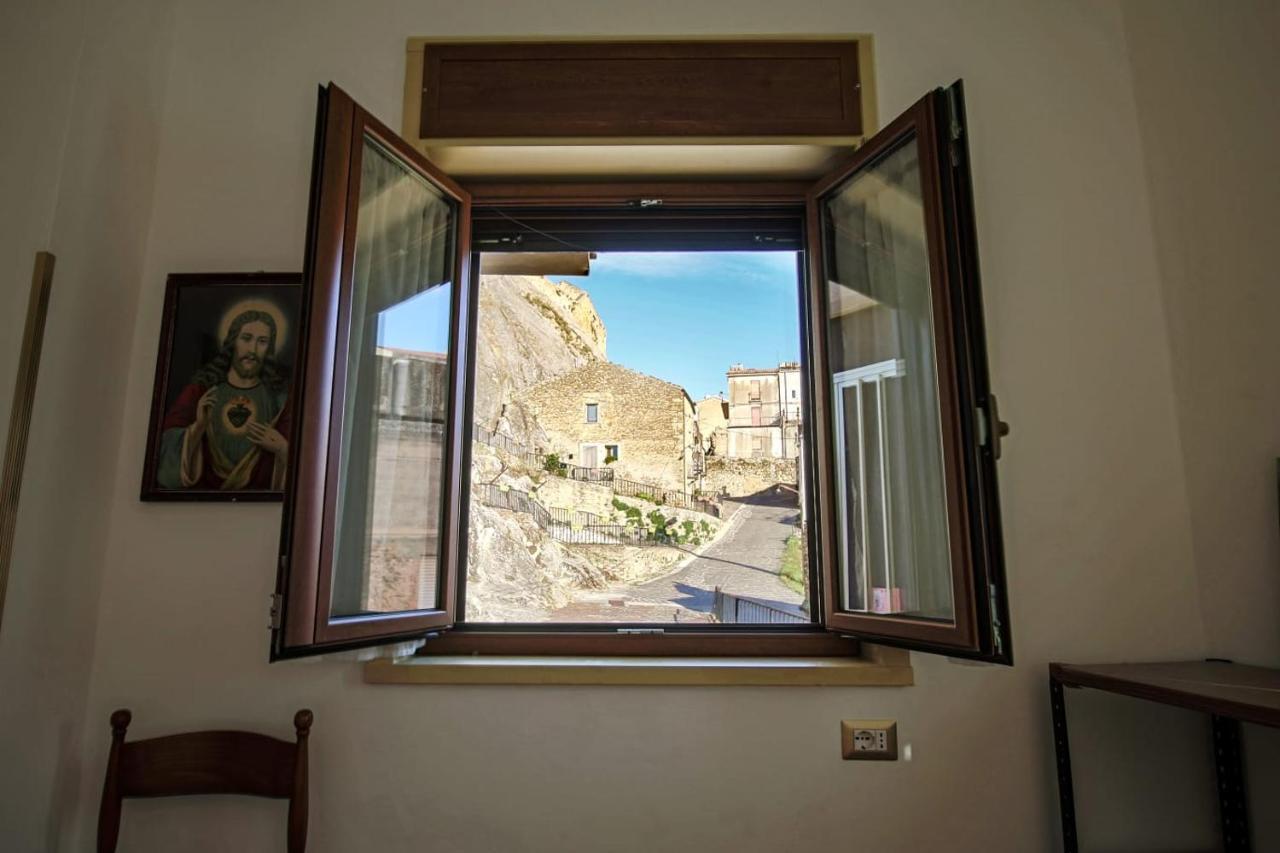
222,409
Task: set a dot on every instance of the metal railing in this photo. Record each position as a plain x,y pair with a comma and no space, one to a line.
587,475
732,609
574,527
763,421
664,497
506,444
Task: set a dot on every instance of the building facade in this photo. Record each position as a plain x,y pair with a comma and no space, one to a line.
713,423
603,414
764,412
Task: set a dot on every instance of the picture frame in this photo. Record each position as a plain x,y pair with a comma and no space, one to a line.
222,404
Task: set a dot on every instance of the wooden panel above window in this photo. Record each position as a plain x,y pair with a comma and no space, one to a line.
764,109
603,89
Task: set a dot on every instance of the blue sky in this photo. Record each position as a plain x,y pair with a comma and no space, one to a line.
686,316
681,316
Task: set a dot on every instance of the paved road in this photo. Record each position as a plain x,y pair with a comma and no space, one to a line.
745,560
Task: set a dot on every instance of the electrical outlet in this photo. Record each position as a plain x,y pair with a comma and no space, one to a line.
869,740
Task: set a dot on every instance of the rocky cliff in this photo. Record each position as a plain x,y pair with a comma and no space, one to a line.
530,330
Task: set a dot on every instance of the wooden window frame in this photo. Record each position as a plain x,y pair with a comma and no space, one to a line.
970,428
301,607
722,217
710,215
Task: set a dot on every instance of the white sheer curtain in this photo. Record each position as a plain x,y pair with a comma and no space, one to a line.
881,310
404,248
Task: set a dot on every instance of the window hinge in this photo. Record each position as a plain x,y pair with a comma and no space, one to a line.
641,631
954,128
997,630
277,609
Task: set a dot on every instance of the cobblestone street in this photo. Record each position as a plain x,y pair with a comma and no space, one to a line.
745,560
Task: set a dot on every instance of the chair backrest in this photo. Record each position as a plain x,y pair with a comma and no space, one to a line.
214,762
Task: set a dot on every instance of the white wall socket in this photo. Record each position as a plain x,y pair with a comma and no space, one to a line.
875,740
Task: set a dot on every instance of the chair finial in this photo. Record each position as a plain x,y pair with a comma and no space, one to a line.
120,721
302,721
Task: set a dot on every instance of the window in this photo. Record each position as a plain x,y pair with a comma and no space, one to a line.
899,451
611,453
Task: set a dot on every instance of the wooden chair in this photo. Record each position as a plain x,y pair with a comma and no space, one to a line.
215,762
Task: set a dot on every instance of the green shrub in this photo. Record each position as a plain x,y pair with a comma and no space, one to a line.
659,523
633,513
792,573
551,462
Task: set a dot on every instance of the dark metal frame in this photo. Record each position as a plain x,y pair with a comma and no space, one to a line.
1233,810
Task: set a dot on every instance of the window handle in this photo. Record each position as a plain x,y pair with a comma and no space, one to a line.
990,428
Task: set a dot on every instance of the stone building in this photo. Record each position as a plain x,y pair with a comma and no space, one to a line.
713,422
603,414
764,412
399,529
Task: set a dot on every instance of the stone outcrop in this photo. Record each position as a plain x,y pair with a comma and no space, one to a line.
518,573
530,330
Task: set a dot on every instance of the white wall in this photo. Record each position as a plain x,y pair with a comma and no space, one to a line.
1098,529
81,100
1209,130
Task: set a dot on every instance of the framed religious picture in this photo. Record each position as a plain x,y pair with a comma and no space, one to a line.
222,407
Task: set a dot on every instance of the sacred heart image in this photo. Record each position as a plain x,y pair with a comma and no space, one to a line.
238,412
221,412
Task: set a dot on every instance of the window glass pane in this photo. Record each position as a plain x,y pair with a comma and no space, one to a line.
391,468
893,547
702,521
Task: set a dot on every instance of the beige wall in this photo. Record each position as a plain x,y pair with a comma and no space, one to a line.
1215,202
1101,566
84,86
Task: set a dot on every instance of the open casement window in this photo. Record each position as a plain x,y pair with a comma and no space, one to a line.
905,473
387,251
899,440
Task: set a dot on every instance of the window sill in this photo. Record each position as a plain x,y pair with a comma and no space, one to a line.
880,667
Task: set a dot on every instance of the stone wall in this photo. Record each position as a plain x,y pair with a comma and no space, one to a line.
739,477
651,421
403,523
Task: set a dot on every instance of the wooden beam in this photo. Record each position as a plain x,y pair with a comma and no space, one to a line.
24,392
536,263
